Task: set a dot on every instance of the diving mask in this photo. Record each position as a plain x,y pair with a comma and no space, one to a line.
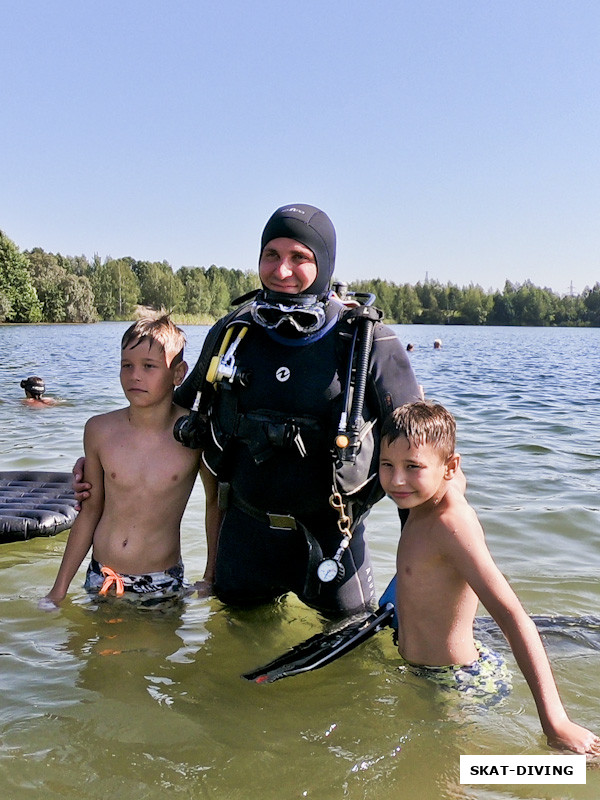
303,318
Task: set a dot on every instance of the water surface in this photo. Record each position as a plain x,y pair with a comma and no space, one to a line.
100,702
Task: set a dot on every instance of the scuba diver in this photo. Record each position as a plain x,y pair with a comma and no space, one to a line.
287,398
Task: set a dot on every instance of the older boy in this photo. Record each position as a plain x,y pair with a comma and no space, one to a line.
141,477
444,569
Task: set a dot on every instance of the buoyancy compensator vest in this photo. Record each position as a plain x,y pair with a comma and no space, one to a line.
261,401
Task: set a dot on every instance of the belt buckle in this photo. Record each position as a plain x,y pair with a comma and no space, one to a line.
282,521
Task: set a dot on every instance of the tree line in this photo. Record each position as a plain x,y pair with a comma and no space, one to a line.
431,302
36,286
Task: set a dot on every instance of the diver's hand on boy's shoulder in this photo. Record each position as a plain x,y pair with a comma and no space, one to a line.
80,487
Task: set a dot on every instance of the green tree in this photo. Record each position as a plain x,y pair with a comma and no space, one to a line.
503,310
238,282
159,286
474,306
196,298
173,292
385,295
570,310
406,306
591,302
431,312
78,298
64,295
116,288
18,298
77,265
220,298
533,306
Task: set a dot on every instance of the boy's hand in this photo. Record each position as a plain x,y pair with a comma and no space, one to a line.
80,487
204,588
48,604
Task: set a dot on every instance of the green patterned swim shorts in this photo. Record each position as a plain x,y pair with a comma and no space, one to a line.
488,678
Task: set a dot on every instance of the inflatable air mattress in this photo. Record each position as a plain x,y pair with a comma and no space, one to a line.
35,504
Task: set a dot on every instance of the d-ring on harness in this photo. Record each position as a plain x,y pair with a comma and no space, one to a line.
331,569
347,441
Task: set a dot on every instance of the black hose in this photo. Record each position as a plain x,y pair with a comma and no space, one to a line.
362,368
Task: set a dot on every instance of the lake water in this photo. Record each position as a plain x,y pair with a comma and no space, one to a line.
100,703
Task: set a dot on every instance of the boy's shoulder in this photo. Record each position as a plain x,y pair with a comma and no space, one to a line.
108,419
456,517
180,411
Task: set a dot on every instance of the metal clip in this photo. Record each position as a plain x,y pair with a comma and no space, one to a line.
336,502
282,521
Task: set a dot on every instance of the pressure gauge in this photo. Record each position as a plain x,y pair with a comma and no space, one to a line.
328,570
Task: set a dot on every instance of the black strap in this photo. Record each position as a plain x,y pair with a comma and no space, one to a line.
275,521
186,393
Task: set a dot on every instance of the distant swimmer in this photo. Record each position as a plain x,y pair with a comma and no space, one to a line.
410,347
34,391
437,344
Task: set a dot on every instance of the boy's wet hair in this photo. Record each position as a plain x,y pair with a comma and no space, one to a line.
160,330
422,422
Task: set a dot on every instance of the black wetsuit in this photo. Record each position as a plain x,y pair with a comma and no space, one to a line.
277,433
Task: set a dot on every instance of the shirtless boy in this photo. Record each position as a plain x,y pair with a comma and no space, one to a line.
141,477
444,569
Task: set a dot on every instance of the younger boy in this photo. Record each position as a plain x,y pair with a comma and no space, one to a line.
444,568
141,477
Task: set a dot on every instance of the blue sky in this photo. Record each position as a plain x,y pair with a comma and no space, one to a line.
452,140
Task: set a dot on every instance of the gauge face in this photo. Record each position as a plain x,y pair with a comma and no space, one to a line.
328,570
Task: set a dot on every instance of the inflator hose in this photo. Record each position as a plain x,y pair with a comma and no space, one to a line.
362,366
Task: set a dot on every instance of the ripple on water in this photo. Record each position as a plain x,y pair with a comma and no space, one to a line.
96,702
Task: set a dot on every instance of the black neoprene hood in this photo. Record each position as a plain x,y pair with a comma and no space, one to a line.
311,227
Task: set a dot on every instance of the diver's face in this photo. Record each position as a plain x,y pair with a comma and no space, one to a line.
287,266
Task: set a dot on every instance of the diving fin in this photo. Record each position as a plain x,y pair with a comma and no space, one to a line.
389,596
323,648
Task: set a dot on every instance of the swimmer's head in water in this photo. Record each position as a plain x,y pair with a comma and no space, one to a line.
311,227
34,386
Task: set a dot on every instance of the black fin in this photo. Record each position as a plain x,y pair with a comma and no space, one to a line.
323,648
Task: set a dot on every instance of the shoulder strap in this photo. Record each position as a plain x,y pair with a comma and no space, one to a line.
194,383
362,319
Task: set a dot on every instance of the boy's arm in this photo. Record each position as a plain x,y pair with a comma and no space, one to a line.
82,532
530,655
473,560
213,520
